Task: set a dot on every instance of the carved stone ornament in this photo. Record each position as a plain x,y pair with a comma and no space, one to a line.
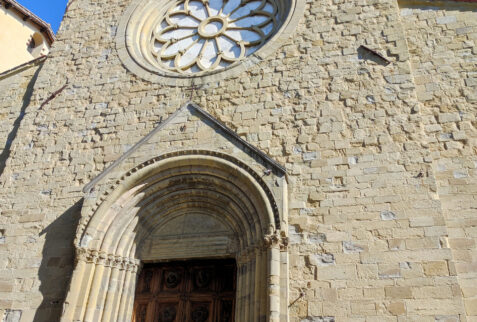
275,240
107,260
190,38
201,36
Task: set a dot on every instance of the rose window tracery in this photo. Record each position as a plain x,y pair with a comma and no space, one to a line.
189,42
201,36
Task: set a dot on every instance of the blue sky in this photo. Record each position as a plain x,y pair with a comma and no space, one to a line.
50,11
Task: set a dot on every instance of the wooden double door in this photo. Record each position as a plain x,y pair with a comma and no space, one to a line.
188,291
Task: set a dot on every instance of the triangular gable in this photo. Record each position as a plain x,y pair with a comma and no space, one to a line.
175,119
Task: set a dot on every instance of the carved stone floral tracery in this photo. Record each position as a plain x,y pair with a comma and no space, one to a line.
187,42
196,37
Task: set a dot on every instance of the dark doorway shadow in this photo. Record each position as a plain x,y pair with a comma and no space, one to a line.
57,263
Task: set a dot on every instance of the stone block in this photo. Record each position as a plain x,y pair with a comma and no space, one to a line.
471,306
448,117
421,221
322,259
12,315
435,292
435,268
387,215
434,307
396,308
363,308
352,247
462,243
367,271
447,318
6,286
398,292
342,272
389,271
446,20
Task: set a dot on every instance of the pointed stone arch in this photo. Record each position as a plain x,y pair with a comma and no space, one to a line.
122,228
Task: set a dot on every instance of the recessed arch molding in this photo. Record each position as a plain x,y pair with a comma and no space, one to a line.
181,205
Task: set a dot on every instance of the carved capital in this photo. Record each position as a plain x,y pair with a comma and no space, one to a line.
284,243
275,240
107,260
271,241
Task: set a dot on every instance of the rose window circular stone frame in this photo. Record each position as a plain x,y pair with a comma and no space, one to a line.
188,42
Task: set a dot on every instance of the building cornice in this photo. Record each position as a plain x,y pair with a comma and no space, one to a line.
44,27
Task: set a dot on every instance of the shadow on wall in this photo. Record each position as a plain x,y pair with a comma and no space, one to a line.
16,125
365,53
433,5
57,263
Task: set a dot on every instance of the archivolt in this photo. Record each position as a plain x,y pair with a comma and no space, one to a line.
133,176
172,185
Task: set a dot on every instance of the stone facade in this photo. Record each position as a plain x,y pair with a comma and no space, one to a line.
370,106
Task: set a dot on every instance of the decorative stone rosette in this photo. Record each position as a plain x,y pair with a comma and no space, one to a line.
201,36
190,39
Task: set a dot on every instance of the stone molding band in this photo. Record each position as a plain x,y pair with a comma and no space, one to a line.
107,260
95,256
271,241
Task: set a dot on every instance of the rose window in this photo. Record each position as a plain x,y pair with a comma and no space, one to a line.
200,36
186,42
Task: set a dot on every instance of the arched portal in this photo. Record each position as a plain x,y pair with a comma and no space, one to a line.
188,205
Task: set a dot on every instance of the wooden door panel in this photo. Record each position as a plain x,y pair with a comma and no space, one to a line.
147,284
203,279
189,291
173,280
141,311
200,312
225,310
167,311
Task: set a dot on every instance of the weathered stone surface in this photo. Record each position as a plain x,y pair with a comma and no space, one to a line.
381,158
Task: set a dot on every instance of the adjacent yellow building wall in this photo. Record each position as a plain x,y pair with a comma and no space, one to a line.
15,35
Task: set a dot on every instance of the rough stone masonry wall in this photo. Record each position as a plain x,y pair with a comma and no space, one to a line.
368,235
16,88
442,40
